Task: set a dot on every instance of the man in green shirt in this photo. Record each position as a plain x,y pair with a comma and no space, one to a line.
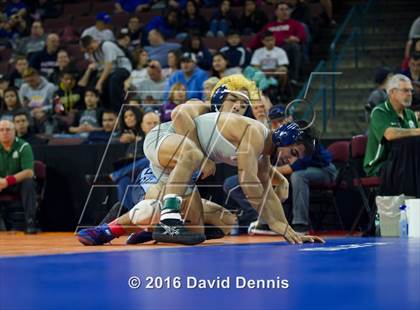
16,171
390,120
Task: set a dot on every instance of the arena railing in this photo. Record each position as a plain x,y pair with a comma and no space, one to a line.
354,26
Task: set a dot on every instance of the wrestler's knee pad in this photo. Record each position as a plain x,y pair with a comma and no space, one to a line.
146,212
218,216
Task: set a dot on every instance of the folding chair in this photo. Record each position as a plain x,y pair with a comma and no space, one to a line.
340,153
366,186
40,172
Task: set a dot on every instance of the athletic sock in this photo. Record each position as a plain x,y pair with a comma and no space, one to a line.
170,213
116,229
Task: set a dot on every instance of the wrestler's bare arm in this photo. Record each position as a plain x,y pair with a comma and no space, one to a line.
183,118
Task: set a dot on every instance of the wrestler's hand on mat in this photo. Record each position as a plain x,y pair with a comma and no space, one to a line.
312,239
286,232
208,168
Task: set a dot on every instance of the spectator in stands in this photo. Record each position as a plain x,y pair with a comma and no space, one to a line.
177,96
299,10
114,68
272,60
108,131
42,9
189,75
173,63
15,7
260,110
101,30
415,29
123,39
63,63
220,67
222,20
152,85
328,12
34,43
4,84
141,61
277,116
177,4
192,19
24,131
89,119
149,121
36,94
135,32
45,61
194,45
390,120
158,48
252,19
11,103
378,96
68,100
235,52
17,26
132,6
413,37
21,64
169,25
16,172
208,86
308,163
130,126
290,35
414,47
7,35
413,73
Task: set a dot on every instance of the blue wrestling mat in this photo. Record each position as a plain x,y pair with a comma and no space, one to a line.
345,273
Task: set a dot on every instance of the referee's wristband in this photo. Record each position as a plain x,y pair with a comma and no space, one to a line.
11,180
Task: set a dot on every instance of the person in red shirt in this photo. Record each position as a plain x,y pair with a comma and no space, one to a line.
289,34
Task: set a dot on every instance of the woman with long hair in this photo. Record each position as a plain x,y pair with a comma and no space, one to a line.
173,63
177,96
130,125
194,44
10,104
141,61
220,67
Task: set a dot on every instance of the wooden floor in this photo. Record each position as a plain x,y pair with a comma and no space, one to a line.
19,244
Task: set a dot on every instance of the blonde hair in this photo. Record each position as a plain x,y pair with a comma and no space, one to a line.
238,82
211,81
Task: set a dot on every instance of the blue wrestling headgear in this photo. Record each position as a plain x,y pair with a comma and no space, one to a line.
287,134
219,96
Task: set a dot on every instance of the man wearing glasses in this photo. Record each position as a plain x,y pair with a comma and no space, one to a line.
390,121
16,172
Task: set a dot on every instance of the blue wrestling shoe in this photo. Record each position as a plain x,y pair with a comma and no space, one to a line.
98,235
139,237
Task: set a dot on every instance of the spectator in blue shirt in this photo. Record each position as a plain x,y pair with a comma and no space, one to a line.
15,7
132,6
192,77
158,48
308,163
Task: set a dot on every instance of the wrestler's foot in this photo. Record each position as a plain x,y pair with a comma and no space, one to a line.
98,235
139,237
176,232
